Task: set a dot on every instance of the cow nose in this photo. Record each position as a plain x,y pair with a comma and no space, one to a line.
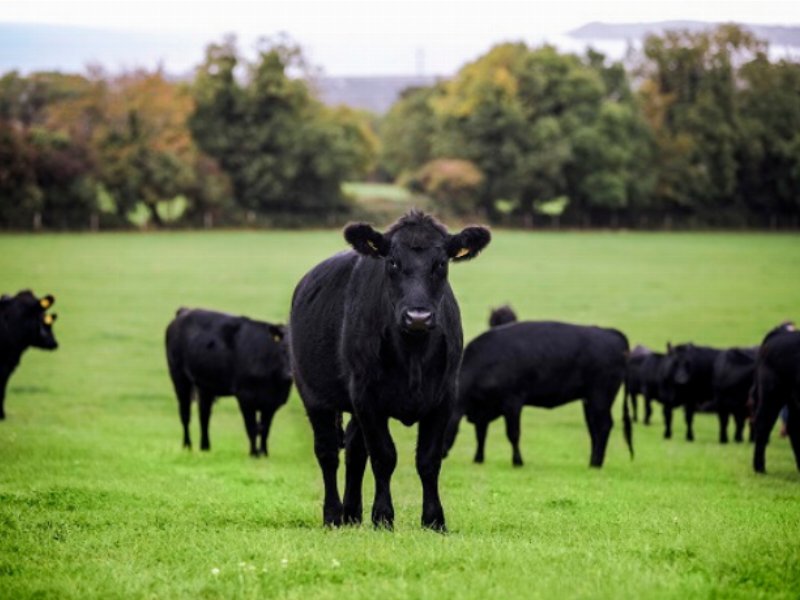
418,319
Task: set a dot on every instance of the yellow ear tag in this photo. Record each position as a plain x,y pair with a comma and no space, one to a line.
45,303
462,253
372,245
277,338
48,319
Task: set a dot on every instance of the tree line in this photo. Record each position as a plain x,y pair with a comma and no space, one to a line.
693,129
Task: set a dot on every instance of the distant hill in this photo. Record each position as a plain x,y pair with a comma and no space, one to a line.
375,94
774,34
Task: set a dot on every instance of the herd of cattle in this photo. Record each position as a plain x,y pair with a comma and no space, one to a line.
376,332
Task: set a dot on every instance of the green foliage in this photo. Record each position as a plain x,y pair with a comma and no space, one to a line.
538,124
408,132
453,184
98,499
282,150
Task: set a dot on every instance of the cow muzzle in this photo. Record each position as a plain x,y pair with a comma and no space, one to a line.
418,320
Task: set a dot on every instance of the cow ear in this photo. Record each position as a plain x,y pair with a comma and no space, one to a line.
365,240
468,243
47,301
278,332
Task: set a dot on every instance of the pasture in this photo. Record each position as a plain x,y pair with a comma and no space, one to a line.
98,499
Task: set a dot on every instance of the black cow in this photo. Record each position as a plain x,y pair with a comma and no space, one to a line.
649,373
377,333
24,323
546,364
685,379
777,385
734,370
634,378
223,355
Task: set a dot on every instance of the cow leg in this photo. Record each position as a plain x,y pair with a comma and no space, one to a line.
723,425
793,429
764,422
206,401
599,421
667,421
430,442
355,458
481,427
635,406
5,373
326,448
183,391
688,413
264,427
739,418
648,410
247,406
512,417
383,457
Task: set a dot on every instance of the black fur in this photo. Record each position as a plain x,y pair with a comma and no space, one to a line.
24,323
376,332
544,364
777,385
685,379
218,354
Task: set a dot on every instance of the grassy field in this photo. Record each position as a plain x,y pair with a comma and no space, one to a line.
97,498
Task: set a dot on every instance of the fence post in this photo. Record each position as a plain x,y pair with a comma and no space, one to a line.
208,220
37,221
94,222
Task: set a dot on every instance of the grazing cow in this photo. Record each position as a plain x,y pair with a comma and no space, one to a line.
634,382
377,332
223,355
685,377
777,385
732,379
24,323
546,364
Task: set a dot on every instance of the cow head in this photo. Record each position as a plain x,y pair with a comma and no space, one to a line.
416,252
502,316
682,368
279,336
28,317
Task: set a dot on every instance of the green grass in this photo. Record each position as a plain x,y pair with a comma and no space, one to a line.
97,498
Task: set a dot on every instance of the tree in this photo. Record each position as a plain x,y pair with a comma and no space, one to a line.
282,150
691,94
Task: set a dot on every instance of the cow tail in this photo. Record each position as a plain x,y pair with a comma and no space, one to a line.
627,425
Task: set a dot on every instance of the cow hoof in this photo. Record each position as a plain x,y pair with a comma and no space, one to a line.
667,436
723,441
436,525
353,517
517,462
478,460
383,517
332,517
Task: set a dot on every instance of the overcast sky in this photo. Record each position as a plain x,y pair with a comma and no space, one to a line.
378,36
